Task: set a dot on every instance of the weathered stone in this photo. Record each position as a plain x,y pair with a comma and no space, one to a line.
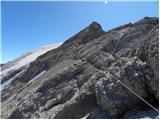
81,77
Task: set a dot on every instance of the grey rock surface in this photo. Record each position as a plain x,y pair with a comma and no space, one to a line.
79,78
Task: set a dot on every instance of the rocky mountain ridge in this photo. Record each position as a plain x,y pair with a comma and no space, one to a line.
77,79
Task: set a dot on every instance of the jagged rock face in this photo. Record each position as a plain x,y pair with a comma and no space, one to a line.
79,78
133,71
152,56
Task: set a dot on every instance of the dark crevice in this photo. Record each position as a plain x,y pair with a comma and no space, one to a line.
153,100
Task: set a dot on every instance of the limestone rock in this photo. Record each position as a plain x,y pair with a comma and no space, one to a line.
80,78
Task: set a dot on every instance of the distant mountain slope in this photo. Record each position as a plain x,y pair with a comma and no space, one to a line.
25,59
81,78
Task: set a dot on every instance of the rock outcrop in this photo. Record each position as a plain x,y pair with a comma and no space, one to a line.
80,78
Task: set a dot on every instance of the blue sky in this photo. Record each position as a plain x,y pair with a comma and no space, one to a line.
28,25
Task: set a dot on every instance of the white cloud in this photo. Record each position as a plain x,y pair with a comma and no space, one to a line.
105,1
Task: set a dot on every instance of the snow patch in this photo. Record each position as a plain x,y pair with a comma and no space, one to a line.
7,83
26,58
36,77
